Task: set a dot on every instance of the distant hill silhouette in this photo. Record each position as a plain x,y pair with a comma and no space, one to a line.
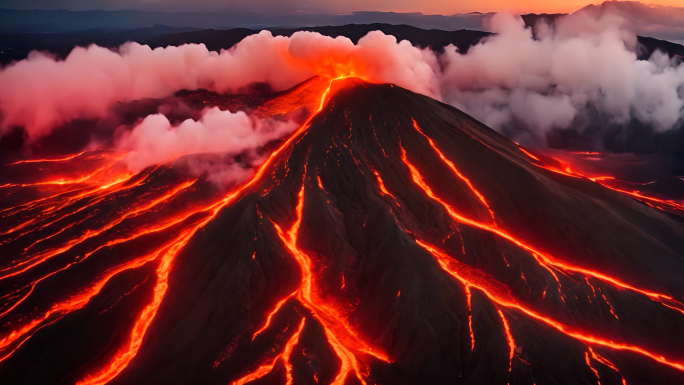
57,21
17,46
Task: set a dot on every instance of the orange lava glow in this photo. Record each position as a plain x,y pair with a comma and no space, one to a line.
35,260
509,339
104,176
545,259
284,356
607,363
529,154
609,181
345,342
105,185
453,168
588,361
127,352
276,308
74,303
469,298
54,203
467,276
381,184
488,288
49,160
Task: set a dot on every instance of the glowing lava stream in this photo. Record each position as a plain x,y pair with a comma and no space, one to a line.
88,192
100,192
40,258
504,298
339,334
166,225
64,181
213,209
509,338
70,157
73,303
469,298
588,361
606,363
122,358
341,337
543,258
284,356
568,171
638,196
453,168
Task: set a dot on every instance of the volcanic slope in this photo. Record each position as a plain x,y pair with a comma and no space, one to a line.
393,240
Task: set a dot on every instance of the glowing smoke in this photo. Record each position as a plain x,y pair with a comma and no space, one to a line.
583,70
40,92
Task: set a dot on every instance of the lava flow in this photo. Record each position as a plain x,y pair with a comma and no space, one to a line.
575,164
341,337
389,239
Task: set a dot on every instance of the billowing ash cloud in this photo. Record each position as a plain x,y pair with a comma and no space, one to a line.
585,66
582,74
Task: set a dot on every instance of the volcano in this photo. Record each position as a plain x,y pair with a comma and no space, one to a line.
391,239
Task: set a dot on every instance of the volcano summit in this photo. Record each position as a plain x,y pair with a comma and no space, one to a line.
390,239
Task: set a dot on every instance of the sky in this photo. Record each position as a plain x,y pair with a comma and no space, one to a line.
444,7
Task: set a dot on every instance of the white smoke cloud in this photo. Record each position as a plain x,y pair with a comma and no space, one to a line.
548,81
156,141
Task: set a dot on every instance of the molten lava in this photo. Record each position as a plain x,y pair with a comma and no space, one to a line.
571,166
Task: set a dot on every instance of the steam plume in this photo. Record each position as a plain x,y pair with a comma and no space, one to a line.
156,141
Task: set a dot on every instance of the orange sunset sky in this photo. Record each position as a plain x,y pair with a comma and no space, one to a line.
446,7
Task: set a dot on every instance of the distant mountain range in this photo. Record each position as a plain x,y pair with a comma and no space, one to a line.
661,22
43,21
17,46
